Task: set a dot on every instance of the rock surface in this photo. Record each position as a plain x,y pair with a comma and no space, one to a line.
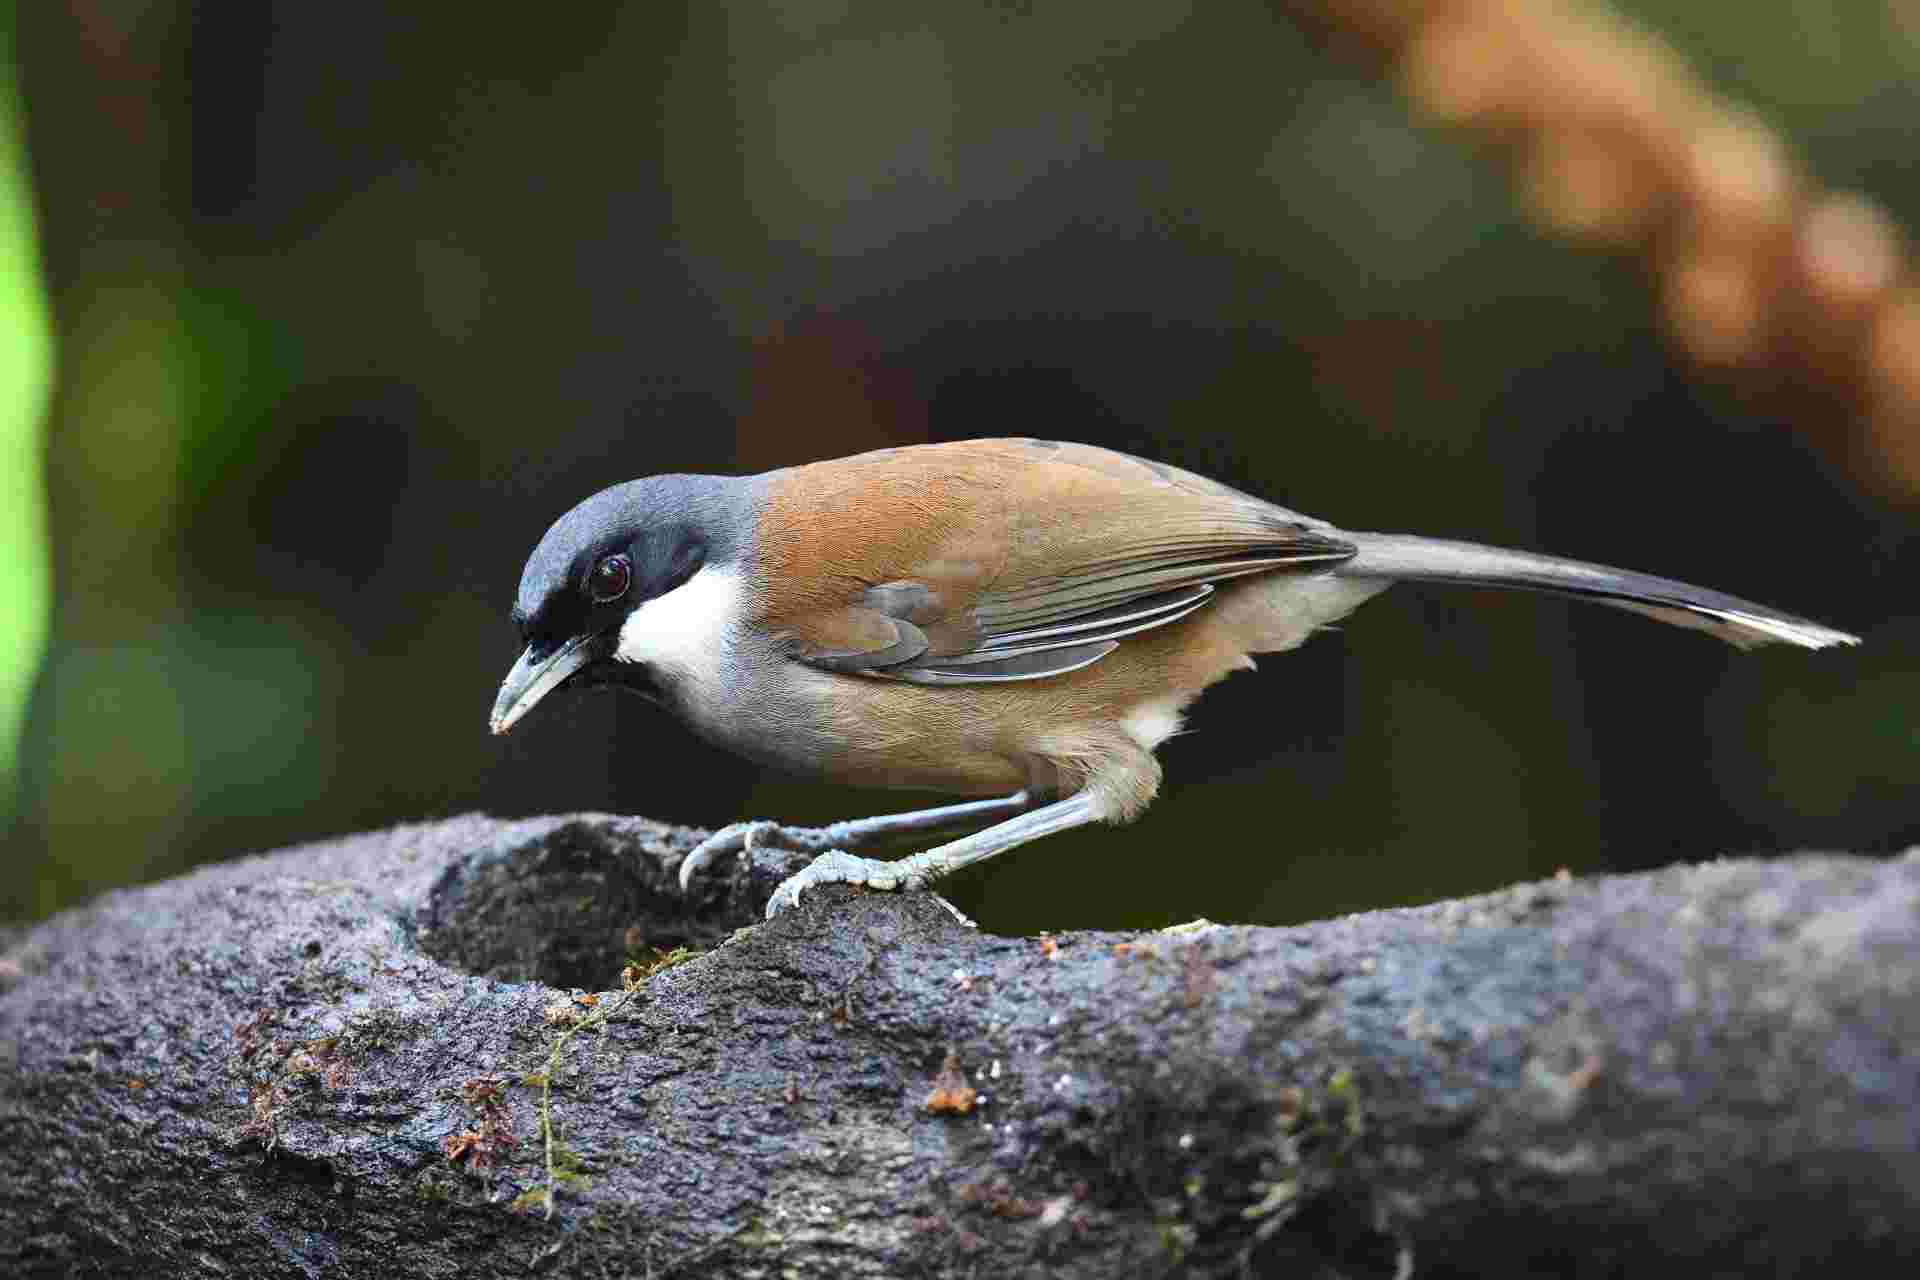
326,1062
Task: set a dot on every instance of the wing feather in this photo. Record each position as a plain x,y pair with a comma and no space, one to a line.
1031,666
1015,560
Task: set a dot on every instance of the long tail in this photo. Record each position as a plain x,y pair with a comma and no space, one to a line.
1739,622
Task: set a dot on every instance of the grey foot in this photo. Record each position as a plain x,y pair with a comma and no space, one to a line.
739,837
838,867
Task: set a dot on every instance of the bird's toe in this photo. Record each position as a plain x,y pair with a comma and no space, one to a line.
835,866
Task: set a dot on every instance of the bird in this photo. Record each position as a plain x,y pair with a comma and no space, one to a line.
1018,622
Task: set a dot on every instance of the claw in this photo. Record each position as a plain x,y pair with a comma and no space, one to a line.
836,866
785,898
735,838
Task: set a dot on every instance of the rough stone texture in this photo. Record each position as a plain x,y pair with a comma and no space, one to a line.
255,1070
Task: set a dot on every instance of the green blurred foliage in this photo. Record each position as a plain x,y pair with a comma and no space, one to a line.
354,300
26,379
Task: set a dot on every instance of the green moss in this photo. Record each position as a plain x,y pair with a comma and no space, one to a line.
1344,1108
433,1187
568,1169
665,960
1176,1239
531,1199
757,1235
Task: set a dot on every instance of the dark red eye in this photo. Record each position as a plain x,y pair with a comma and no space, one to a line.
610,578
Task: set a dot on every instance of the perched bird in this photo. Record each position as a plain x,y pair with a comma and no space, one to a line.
1012,619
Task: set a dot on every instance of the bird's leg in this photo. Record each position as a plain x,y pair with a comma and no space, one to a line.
741,836
922,869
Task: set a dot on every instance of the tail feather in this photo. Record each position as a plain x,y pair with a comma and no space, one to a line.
1738,622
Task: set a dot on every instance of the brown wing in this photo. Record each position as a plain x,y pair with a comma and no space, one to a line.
990,560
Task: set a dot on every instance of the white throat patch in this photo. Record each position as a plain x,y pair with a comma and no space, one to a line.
686,633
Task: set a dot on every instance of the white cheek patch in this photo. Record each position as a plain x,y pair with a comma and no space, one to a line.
685,633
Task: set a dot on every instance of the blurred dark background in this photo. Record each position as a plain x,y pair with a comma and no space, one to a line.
353,299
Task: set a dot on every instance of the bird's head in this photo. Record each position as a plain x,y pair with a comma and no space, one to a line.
594,586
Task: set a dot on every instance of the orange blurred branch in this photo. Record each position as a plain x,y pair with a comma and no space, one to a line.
1804,297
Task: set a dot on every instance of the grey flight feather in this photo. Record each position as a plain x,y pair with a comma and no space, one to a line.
1054,651
1023,664
1102,624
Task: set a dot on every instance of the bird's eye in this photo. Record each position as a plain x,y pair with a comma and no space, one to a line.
610,578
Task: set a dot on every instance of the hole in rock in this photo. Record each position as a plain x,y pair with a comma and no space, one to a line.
566,904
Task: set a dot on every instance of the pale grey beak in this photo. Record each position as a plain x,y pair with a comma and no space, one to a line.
531,680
